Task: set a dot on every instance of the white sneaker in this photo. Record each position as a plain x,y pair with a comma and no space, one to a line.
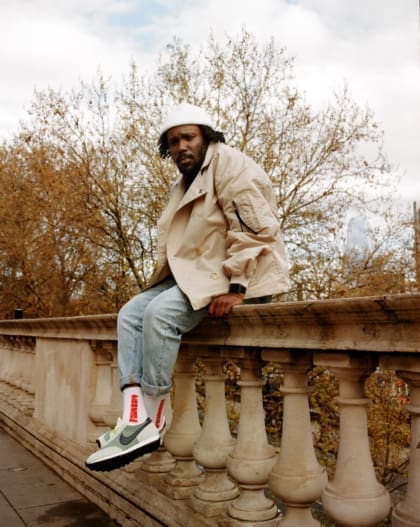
128,443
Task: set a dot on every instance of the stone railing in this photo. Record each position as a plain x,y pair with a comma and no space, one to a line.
59,391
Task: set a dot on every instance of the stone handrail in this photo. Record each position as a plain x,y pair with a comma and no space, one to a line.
59,391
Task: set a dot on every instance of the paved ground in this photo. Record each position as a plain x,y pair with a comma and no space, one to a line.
31,494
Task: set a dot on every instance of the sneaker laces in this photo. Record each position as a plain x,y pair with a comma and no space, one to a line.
116,429
109,434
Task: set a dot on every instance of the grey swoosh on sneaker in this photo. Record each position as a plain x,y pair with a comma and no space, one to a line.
126,440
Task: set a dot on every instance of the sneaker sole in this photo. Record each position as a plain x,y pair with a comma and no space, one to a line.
119,461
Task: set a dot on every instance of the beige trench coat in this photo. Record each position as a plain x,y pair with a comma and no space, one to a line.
223,230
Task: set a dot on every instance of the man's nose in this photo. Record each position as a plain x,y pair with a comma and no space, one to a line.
182,145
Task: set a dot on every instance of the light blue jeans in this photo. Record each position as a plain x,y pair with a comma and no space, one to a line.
150,328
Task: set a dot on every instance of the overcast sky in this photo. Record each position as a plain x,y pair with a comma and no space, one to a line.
373,45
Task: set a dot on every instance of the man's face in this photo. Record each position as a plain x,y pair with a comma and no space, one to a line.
187,148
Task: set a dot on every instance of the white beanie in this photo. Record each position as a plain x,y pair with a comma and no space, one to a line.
185,113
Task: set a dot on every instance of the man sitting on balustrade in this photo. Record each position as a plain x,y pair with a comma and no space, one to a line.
219,245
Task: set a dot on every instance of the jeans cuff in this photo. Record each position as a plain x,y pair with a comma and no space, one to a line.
129,379
155,391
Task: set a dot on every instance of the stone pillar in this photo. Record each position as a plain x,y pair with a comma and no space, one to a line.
252,458
297,478
18,360
4,358
10,375
63,369
354,496
28,375
17,369
161,461
103,388
407,512
217,490
25,364
184,432
115,407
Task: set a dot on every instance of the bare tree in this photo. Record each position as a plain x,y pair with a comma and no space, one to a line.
82,184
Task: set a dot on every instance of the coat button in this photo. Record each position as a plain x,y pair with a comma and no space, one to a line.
199,251
213,276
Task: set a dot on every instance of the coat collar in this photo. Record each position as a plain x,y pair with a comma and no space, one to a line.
199,186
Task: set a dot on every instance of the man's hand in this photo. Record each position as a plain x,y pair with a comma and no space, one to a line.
222,305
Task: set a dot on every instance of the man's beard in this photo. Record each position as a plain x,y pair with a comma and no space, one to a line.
193,170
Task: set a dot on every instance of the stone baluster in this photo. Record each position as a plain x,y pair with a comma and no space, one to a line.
23,363
18,370
28,365
10,375
217,490
27,374
252,458
297,478
17,363
160,461
4,358
407,512
184,431
6,362
354,496
114,409
103,388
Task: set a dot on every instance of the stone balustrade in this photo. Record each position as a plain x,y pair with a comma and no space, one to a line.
59,391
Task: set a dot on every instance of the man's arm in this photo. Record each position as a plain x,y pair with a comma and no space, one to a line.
245,195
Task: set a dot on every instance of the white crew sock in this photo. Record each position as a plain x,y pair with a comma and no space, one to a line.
156,409
134,408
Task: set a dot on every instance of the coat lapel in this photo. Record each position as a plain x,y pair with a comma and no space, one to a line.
200,185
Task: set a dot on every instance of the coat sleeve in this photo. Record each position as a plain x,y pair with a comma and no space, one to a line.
245,195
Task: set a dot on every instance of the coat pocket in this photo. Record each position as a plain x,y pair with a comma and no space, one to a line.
253,213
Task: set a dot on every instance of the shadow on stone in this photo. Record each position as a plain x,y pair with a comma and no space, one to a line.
81,513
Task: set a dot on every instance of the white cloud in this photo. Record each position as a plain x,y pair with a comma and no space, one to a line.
48,43
373,45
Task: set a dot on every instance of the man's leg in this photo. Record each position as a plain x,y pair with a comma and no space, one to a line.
166,319
130,333
160,315
122,444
